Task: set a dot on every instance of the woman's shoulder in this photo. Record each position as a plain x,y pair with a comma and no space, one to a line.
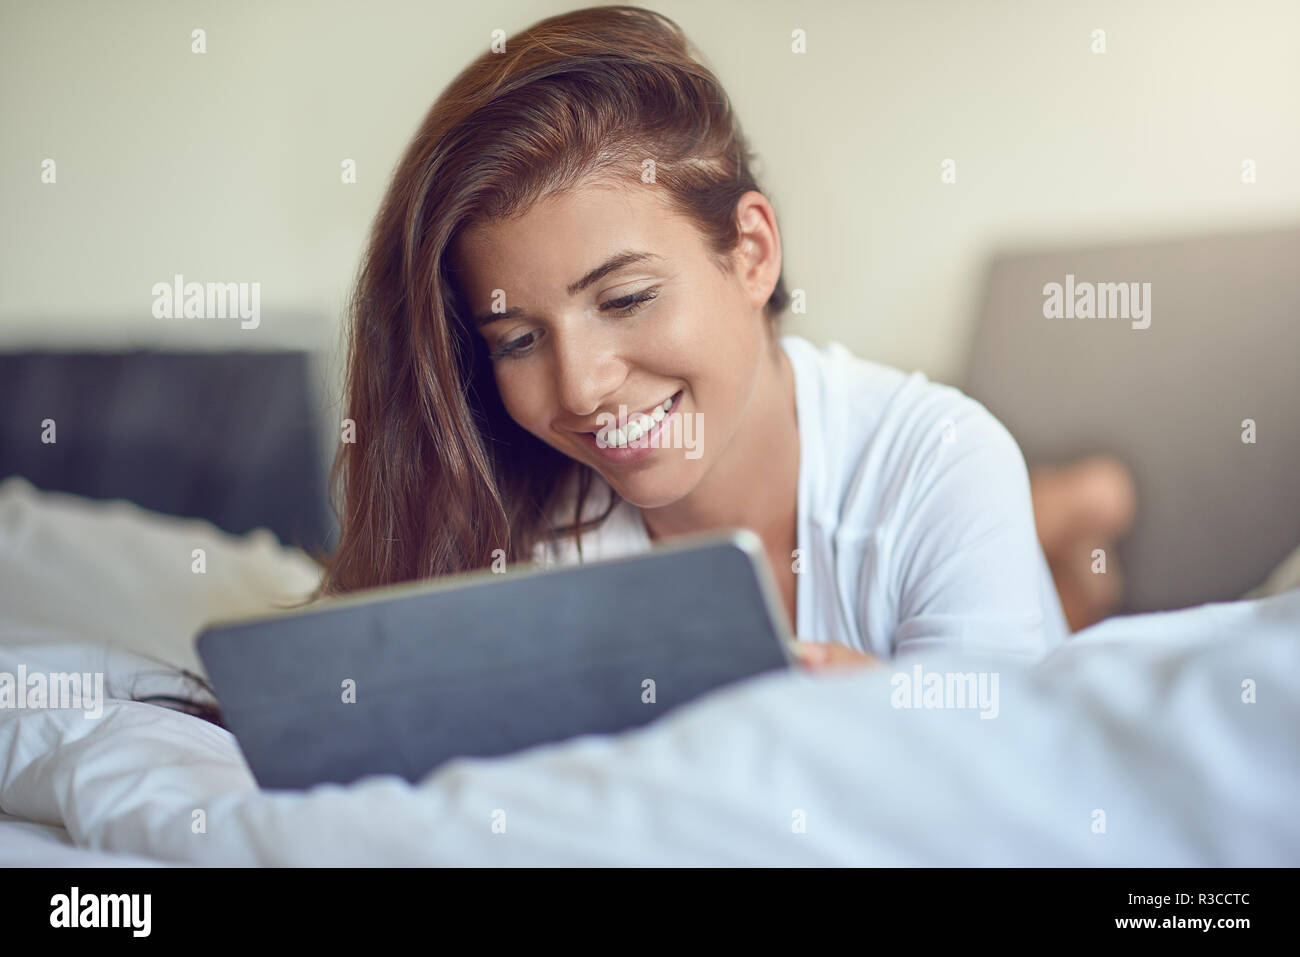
878,428
854,396
838,374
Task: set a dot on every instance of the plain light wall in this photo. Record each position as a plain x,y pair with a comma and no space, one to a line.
225,166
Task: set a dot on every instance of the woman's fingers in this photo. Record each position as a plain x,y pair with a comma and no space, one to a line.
821,655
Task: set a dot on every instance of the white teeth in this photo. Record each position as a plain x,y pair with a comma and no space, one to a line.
641,423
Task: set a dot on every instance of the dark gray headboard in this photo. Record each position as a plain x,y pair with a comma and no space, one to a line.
231,437
1214,515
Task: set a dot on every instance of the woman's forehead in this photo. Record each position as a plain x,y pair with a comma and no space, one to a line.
594,204
567,233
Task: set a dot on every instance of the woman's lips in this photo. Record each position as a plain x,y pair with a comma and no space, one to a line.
637,449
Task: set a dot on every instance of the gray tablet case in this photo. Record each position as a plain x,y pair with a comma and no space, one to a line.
489,664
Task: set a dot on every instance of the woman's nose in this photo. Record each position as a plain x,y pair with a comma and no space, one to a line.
588,371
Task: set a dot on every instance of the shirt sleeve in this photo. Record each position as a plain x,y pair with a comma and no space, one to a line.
968,571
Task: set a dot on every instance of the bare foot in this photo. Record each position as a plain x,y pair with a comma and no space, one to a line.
1080,507
1094,496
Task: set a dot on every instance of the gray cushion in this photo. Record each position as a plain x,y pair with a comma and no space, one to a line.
231,437
1215,516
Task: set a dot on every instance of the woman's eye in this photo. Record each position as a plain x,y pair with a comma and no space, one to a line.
515,347
623,306
626,305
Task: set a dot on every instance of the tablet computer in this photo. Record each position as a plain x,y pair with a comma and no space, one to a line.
398,680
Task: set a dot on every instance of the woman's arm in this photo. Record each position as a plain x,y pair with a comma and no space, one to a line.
965,562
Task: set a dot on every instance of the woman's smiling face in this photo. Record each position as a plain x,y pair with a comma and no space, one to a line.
603,298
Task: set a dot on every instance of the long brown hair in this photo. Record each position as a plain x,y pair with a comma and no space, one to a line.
439,476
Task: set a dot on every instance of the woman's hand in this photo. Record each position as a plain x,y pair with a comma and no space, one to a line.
829,656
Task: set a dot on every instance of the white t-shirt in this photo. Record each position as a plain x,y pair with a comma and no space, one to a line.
915,524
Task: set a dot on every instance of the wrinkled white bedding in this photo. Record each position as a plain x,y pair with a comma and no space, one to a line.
27,844
1138,722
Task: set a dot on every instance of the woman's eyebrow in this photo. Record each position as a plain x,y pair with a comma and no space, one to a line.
618,261
485,318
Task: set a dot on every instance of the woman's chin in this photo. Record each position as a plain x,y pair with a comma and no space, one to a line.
649,491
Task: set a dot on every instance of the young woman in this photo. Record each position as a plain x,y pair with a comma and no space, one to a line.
565,345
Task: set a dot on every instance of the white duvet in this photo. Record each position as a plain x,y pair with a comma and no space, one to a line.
1166,739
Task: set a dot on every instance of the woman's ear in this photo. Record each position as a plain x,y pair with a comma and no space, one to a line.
759,252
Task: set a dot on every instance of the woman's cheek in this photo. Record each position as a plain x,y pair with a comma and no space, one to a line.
516,393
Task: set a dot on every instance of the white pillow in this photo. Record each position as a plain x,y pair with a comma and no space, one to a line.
75,570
